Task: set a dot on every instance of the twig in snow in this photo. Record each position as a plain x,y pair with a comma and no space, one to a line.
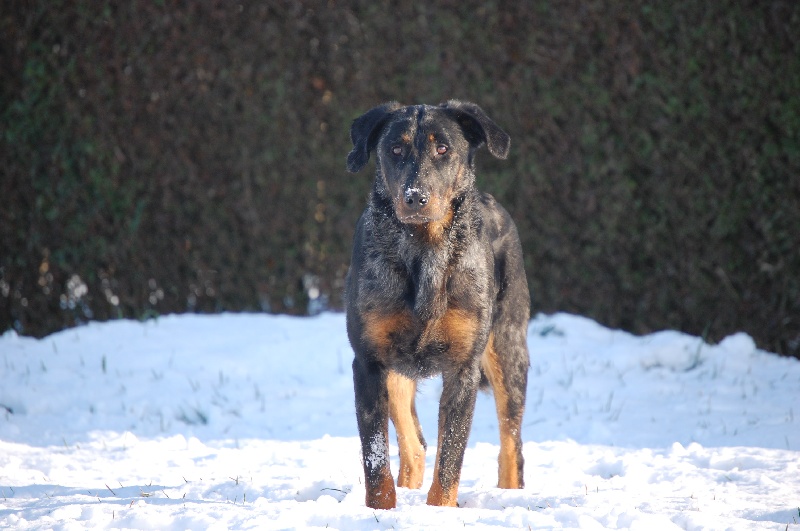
109,490
337,490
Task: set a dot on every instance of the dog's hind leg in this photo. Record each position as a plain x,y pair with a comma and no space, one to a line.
373,427
507,374
403,413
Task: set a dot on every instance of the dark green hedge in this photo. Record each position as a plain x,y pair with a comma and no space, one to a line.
189,156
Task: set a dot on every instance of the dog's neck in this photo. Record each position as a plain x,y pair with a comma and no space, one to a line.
429,250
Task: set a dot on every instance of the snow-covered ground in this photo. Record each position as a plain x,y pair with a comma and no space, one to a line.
247,422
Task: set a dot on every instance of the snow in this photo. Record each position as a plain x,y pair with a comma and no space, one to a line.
247,422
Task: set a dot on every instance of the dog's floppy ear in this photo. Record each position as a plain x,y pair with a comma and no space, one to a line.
365,132
479,128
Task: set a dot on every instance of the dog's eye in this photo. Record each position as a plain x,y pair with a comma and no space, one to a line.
441,149
397,150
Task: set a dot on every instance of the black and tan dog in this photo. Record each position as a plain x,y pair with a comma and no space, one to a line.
436,286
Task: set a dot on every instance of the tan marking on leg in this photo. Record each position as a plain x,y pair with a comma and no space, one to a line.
459,329
436,494
383,496
402,392
508,473
379,328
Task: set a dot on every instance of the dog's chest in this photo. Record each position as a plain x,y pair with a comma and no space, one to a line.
427,321
413,346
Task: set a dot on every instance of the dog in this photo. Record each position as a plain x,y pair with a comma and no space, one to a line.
436,285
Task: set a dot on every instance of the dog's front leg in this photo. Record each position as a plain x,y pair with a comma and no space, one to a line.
372,412
457,405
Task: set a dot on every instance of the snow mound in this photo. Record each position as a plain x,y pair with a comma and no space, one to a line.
247,421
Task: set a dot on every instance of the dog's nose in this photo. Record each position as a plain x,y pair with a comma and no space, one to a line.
416,198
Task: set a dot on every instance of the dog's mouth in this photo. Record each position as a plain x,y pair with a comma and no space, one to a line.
414,219
432,213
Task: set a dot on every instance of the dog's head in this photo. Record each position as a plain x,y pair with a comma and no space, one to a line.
424,154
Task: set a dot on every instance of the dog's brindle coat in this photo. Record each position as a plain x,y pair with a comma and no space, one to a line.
436,285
